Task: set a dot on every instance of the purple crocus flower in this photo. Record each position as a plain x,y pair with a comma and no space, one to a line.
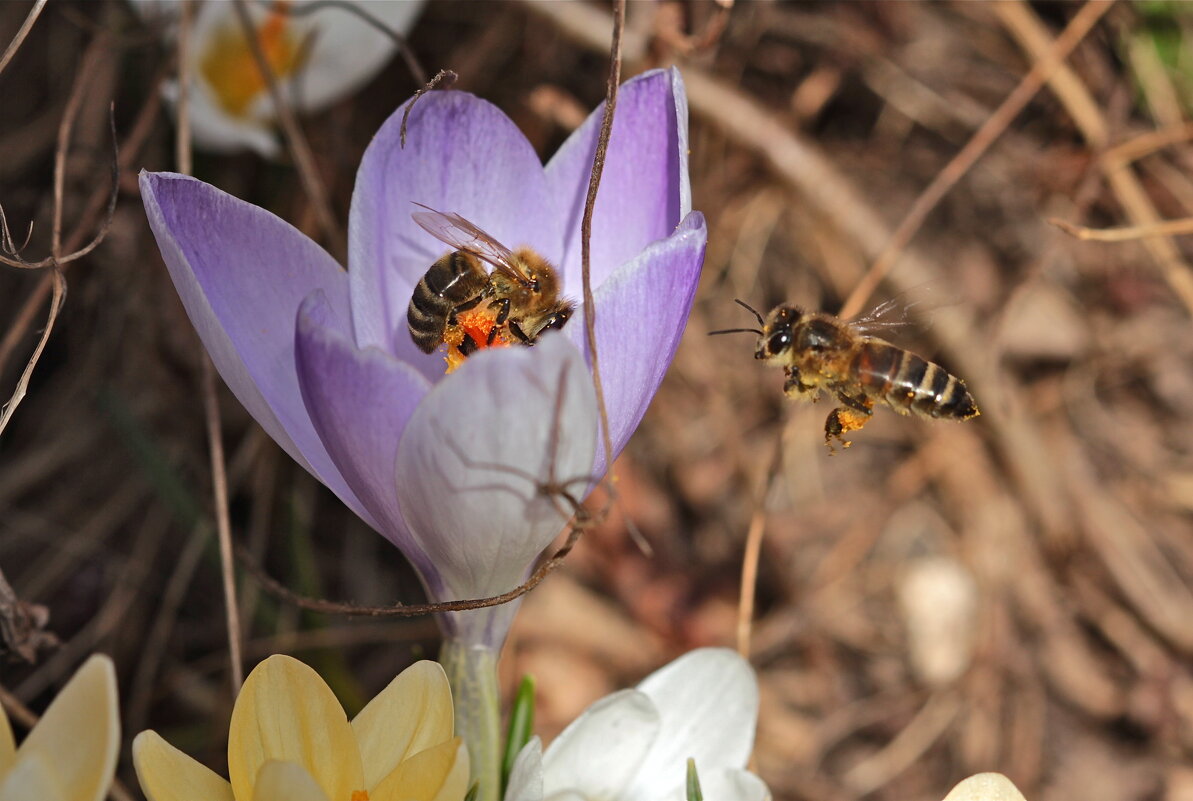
447,467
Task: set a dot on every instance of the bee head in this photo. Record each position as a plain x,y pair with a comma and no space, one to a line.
778,332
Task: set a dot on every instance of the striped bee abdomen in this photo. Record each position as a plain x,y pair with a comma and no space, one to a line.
452,284
910,384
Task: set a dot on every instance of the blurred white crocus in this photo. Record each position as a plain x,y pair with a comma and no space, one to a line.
317,57
634,745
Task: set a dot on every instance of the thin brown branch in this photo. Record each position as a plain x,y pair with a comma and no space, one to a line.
223,521
1147,143
18,395
82,78
182,145
219,473
753,552
279,590
1125,234
1033,36
1031,83
23,32
304,158
594,182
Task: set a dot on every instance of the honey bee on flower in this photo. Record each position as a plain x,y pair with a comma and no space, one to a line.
460,304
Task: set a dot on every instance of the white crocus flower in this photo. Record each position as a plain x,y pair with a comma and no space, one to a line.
634,744
317,57
985,787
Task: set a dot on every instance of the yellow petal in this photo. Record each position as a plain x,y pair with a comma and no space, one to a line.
8,746
437,774
285,781
167,774
80,732
459,778
985,787
412,714
286,712
32,777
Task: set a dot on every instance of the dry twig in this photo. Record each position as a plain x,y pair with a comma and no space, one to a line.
304,158
1081,24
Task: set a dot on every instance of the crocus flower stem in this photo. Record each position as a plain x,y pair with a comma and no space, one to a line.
472,672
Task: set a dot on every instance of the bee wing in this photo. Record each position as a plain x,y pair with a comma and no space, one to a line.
452,229
902,310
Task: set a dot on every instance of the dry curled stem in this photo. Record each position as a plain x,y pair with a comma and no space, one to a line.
444,79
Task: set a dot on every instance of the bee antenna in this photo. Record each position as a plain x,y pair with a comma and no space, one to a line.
751,310
736,331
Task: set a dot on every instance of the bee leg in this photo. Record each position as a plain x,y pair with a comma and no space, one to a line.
463,307
468,345
855,412
516,330
794,387
503,310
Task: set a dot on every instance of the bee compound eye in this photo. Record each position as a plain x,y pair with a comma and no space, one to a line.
778,342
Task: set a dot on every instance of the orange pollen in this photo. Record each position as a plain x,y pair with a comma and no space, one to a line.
476,324
231,70
360,795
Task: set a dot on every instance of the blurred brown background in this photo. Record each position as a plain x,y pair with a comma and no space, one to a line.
1007,594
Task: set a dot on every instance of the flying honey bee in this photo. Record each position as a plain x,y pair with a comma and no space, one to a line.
822,353
520,293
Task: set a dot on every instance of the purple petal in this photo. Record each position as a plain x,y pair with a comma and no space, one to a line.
472,459
462,155
641,313
644,190
360,400
708,703
241,273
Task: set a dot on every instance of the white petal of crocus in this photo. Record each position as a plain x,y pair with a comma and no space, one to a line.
462,155
602,750
526,777
708,702
285,712
285,781
242,273
81,732
641,312
346,50
34,777
360,401
413,713
985,787
167,774
644,190
218,131
473,458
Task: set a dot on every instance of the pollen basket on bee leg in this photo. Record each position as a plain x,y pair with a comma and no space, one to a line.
473,330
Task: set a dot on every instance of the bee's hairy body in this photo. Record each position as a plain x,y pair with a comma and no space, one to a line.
452,284
821,353
458,281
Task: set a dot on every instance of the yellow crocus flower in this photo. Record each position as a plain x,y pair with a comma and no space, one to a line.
289,740
70,755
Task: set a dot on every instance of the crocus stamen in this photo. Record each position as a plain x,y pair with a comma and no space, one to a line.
474,327
360,795
229,66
